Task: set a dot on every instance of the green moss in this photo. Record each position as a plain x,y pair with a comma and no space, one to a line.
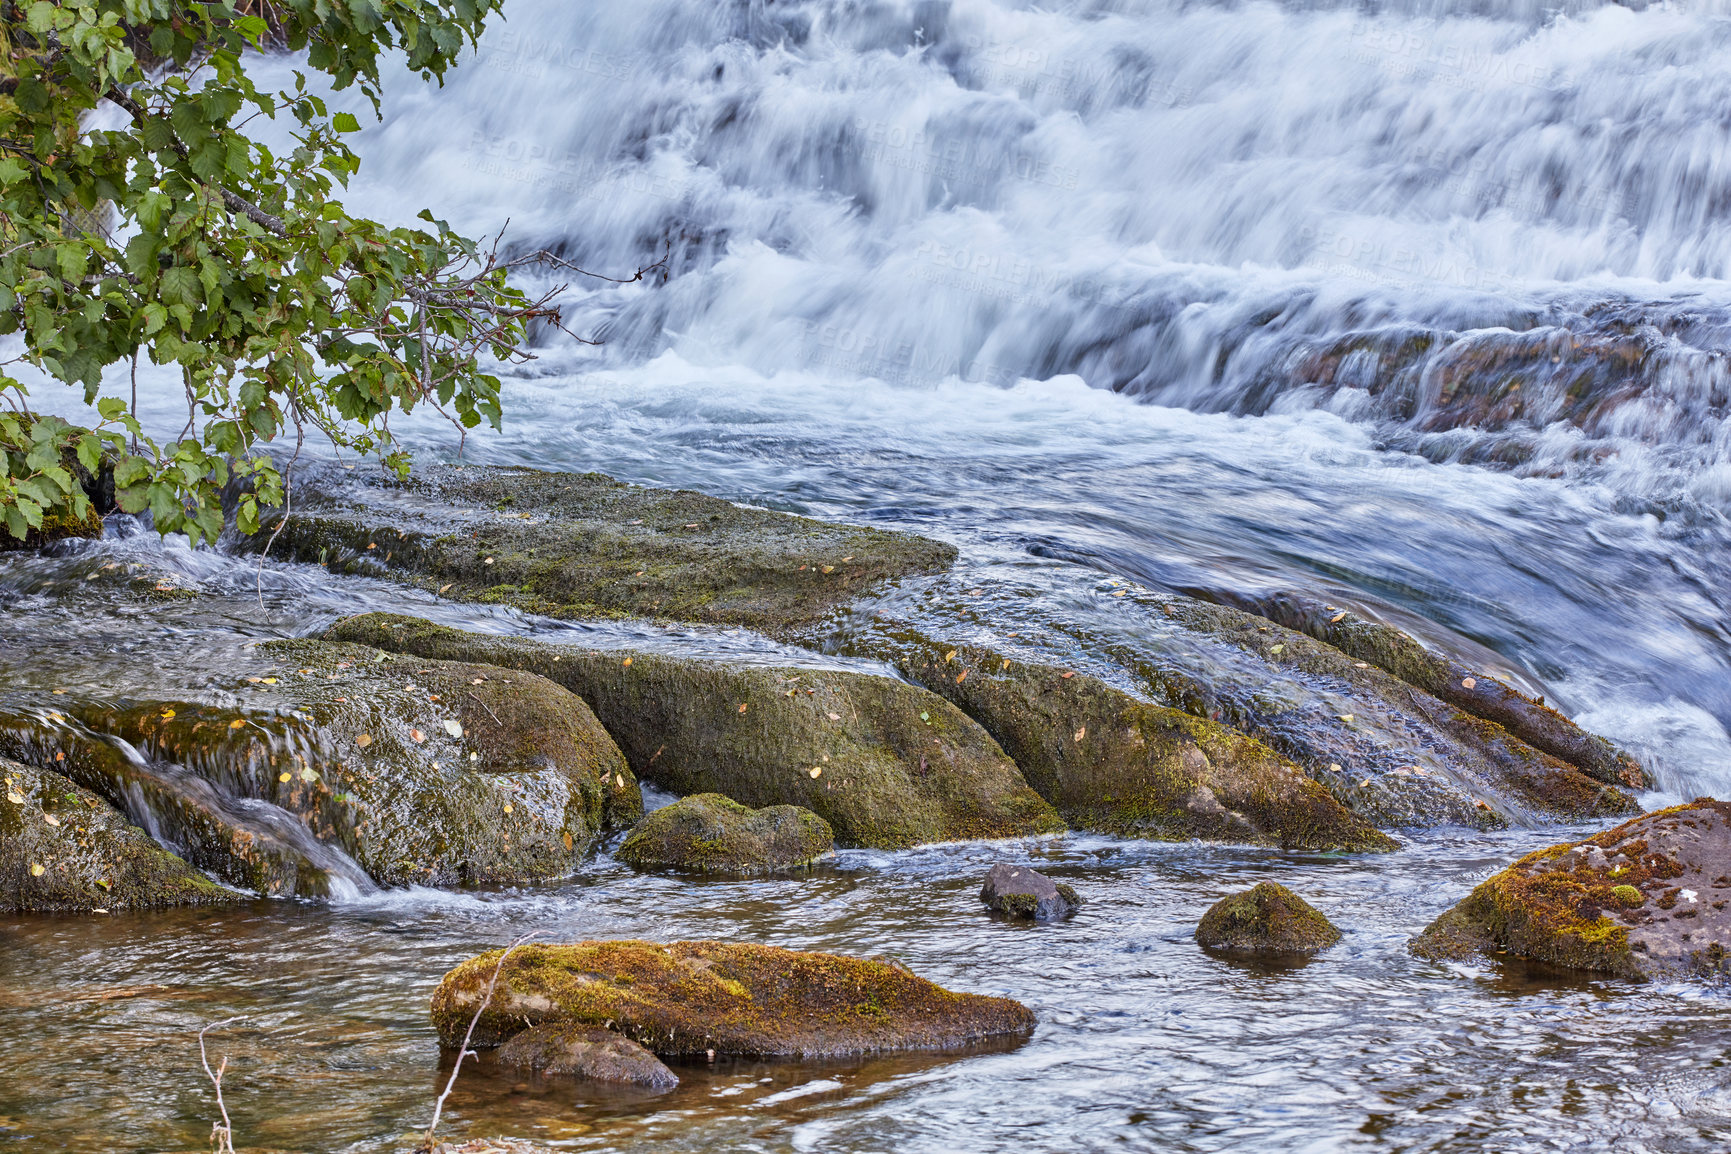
1267,918
65,850
1111,763
593,546
895,765
709,833
1628,895
687,998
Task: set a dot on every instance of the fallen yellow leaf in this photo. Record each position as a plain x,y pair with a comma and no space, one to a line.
1337,618
237,723
50,819
815,772
364,740
36,870
1081,733
283,777
417,735
1468,683
626,663
742,707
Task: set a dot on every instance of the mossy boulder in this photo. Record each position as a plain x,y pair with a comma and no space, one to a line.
1447,679
886,764
684,999
65,850
1021,892
1386,748
422,772
710,833
1266,919
585,545
591,1053
1647,899
1111,763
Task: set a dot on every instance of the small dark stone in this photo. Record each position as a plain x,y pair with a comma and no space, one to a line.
1268,918
586,1052
1023,893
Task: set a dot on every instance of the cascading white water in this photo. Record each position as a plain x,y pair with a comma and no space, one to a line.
1171,199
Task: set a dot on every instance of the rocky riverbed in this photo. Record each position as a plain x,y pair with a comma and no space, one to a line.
384,759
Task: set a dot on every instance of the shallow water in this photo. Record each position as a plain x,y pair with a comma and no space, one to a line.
1041,281
1144,1042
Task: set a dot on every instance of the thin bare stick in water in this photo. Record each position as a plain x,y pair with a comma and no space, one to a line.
221,1132
463,1051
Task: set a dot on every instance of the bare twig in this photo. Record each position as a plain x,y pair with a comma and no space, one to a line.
487,707
463,1050
221,1133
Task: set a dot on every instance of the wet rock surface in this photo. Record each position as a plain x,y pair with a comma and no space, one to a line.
710,833
886,764
1022,892
1386,747
1460,685
1111,763
65,850
587,1052
685,999
1650,898
1267,919
1392,753
422,772
585,545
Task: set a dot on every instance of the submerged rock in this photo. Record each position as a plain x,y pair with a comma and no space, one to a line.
1023,893
886,764
422,772
1109,762
710,833
584,545
588,1052
1448,680
1267,918
1647,899
685,999
65,850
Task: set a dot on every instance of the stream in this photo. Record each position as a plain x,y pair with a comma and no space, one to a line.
1185,295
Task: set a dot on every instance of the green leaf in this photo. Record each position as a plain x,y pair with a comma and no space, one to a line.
345,122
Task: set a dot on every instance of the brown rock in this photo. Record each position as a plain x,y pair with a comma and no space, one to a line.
590,1052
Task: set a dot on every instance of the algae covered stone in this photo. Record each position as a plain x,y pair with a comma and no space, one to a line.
886,764
1449,680
422,772
1109,762
1268,918
685,999
1647,899
709,833
588,1052
584,545
65,850
1021,892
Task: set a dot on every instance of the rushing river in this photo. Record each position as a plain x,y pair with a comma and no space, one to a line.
1218,297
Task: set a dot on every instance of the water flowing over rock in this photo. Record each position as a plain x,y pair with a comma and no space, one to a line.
580,544
1022,892
710,833
1459,685
685,999
885,763
340,758
1647,899
1267,919
65,850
